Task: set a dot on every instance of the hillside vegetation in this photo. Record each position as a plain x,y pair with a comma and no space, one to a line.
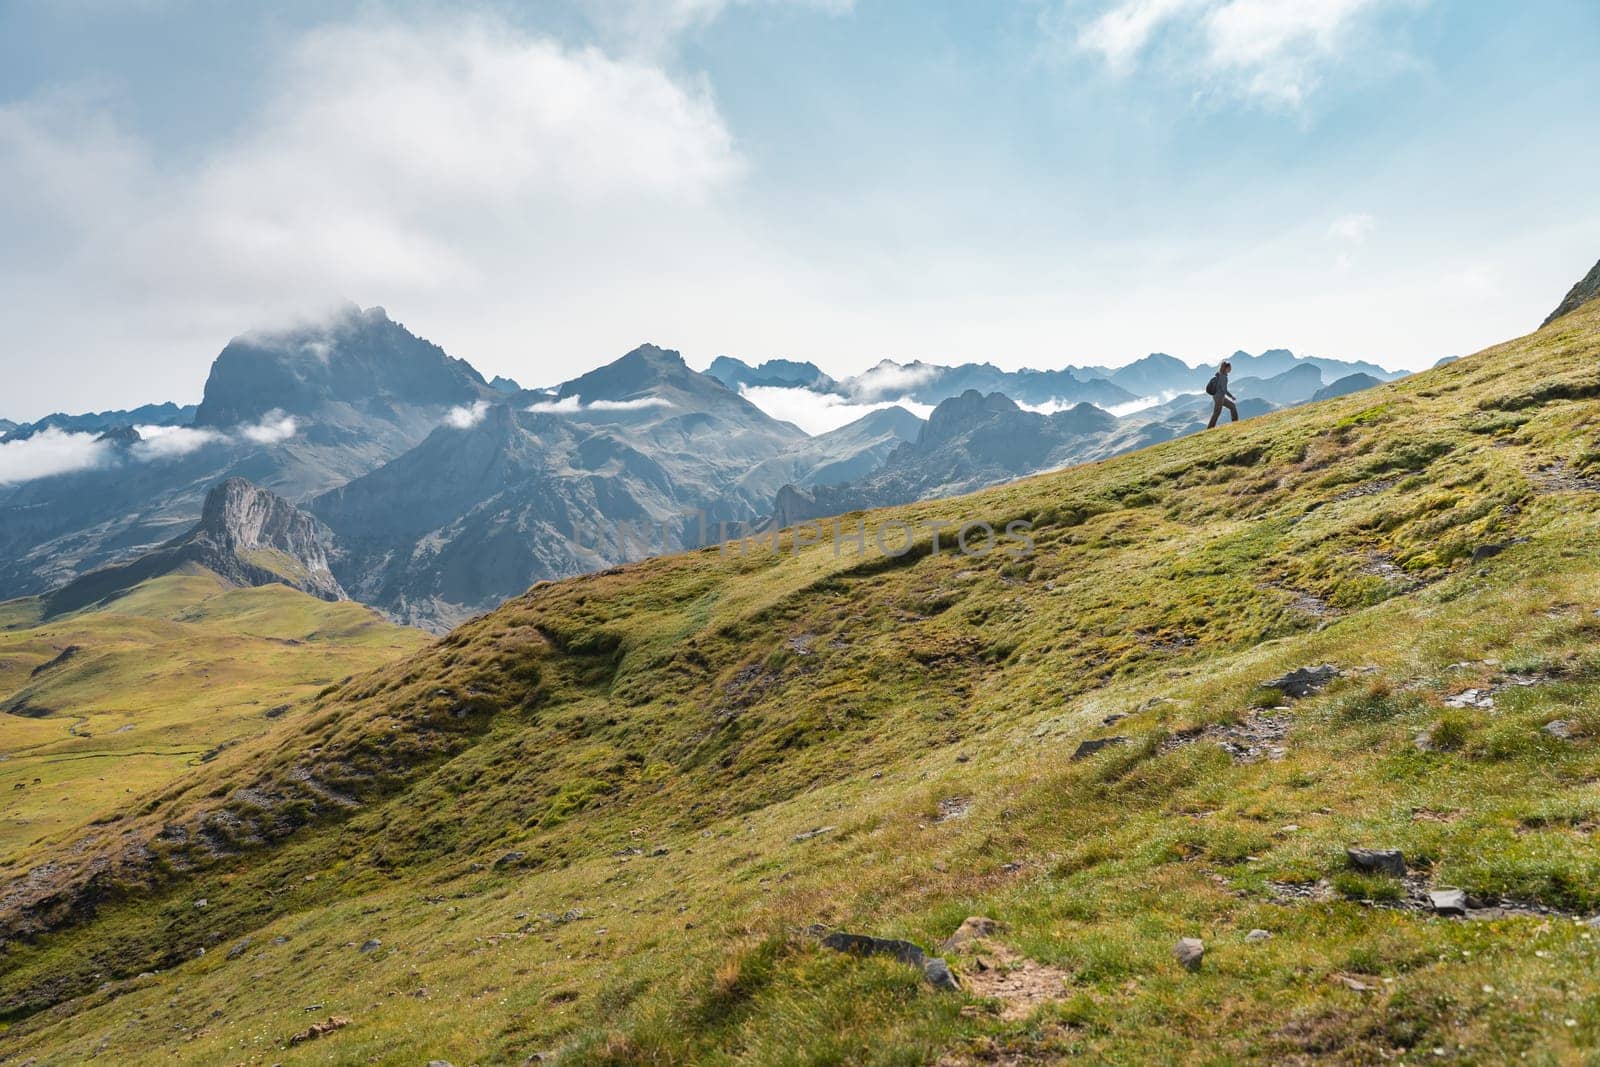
598,825
103,706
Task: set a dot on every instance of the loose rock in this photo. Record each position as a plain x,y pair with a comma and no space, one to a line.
1189,951
818,832
1258,935
974,928
1304,681
1448,901
1378,860
1561,729
937,972
1086,749
372,945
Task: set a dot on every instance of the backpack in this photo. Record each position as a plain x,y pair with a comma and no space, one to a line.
1211,386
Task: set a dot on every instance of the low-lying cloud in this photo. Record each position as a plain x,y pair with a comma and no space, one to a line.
466,416
889,379
571,405
51,452
817,412
273,429
54,451
168,442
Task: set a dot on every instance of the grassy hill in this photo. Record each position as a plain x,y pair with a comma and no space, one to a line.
103,706
599,824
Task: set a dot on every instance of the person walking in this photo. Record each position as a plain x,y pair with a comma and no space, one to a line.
1220,397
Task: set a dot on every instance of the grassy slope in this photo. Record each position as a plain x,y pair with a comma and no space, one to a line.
717,707
162,677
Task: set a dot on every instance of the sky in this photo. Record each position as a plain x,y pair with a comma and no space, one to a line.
540,187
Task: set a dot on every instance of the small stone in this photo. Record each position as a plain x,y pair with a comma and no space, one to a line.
818,832
1088,748
1561,729
1423,742
1258,935
440,1063
1377,860
1304,681
239,950
937,972
510,859
1189,951
202,904
973,928
1448,901
371,945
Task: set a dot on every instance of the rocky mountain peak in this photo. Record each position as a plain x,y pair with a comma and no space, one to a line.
255,537
961,413
353,357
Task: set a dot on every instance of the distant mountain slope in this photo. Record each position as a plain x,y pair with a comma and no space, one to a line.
1296,385
1586,290
607,823
296,412
476,513
246,536
968,442
774,372
1350,383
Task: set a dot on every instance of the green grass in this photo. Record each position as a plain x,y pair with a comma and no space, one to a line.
652,740
160,680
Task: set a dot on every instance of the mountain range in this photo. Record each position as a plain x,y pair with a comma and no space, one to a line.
440,494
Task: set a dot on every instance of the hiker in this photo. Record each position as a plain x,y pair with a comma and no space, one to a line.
1220,397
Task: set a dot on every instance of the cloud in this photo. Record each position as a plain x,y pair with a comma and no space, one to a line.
49,452
452,167
466,417
1130,407
1276,52
642,403
170,442
655,27
817,412
274,428
1352,229
889,378
571,405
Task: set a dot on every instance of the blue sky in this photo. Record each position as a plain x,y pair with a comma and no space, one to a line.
539,187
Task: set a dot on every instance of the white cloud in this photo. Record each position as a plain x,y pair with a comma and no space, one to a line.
889,378
642,403
49,452
1352,229
274,428
170,442
1130,407
819,412
566,405
467,416
571,405
451,167
1273,51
